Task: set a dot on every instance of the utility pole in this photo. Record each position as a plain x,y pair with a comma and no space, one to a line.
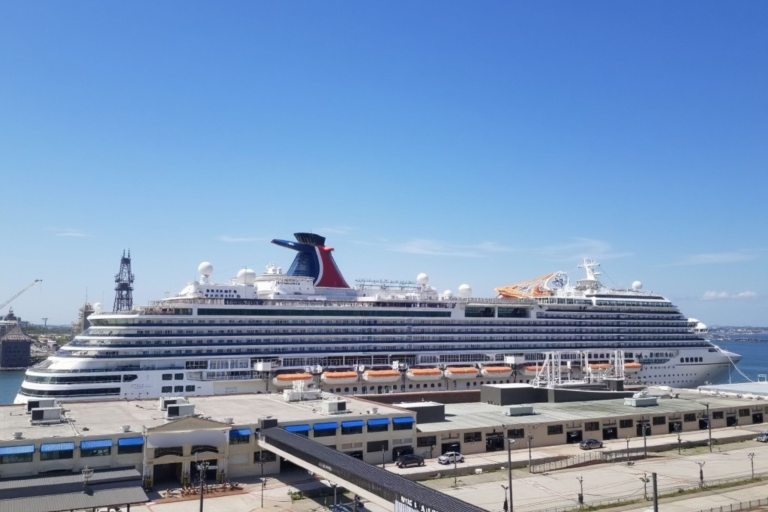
261,463
701,473
628,438
752,461
530,440
45,323
655,493
581,492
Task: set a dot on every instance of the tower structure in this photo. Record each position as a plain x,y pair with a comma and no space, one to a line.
124,285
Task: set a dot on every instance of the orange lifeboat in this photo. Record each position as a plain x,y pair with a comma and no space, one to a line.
632,367
461,372
421,374
286,380
532,369
347,377
496,371
600,366
383,376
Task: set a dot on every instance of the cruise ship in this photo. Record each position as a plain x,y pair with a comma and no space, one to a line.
309,327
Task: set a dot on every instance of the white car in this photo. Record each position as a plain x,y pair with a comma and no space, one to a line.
450,457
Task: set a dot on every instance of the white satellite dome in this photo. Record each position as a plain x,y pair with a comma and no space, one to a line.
447,294
465,291
637,286
246,276
205,269
422,279
97,307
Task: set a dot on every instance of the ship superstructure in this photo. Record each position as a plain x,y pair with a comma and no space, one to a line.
262,333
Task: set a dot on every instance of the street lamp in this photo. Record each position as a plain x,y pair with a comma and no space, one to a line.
752,461
645,481
202,468
645,445
701,473
530,440
333,486
383,462
628,438
709,427
87,474
510,442
679,439
505,507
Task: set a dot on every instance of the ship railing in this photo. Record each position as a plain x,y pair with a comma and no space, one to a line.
130,368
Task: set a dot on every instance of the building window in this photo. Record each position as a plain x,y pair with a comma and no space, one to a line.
190,389
348,430
130,445
689,417
166,389
240,436
178,451
97,448
57,451
554,430
264,456
473,437
516,433
743,413
592,426
403,423
659,420
167,376
718,415
15,454
378,446
426,442
376,426
626,423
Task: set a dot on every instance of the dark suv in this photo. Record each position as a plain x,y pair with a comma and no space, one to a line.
410,460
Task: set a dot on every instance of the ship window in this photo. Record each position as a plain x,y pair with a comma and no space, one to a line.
178,376
190,388
178,389
166,389
167,376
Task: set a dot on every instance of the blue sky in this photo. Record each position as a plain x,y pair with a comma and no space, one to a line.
480,143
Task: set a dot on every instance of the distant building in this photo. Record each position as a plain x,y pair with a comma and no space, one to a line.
15,346
82,322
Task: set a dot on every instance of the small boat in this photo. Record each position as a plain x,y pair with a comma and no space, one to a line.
496,371
343,377
461,372
286,380
632,367
382,376
420,374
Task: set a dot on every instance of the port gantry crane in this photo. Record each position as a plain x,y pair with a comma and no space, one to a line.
30,285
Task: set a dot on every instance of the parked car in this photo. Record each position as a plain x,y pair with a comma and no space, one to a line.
410,460
450,457
763,438
589,444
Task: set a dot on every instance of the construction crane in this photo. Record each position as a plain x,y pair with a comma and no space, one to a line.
30,285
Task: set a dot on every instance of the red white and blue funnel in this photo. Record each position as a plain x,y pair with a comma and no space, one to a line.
314,260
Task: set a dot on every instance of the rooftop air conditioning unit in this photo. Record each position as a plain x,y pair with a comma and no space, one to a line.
40,403
166,401
17,435
334,407
519,410
179,411
45,415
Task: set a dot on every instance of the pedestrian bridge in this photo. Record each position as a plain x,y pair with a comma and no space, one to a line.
372,483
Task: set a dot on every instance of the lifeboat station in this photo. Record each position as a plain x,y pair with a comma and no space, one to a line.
341,438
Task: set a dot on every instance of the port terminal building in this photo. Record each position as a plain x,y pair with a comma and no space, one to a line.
161,439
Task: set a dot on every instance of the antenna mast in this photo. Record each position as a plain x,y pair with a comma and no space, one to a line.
124,285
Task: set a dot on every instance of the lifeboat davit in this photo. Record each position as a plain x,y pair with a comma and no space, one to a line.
461,372
286,380
496,371
348,377
383,376
424,374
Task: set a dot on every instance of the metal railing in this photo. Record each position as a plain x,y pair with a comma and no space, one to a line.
744,505
586,458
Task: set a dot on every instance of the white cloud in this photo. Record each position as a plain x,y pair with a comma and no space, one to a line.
335,230
71,233
236,239
713,258
579,248
715,295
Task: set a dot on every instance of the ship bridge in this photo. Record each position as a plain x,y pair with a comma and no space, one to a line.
377,485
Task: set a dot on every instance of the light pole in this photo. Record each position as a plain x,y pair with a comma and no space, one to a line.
752,461
581,491
261,463
645,445
333,486
202,468
505,507
510,442
645,481
530,440
709,427
628,438
679,439
383,462
701,473
87,474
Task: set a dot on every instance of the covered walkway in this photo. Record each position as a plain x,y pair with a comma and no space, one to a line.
372,483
